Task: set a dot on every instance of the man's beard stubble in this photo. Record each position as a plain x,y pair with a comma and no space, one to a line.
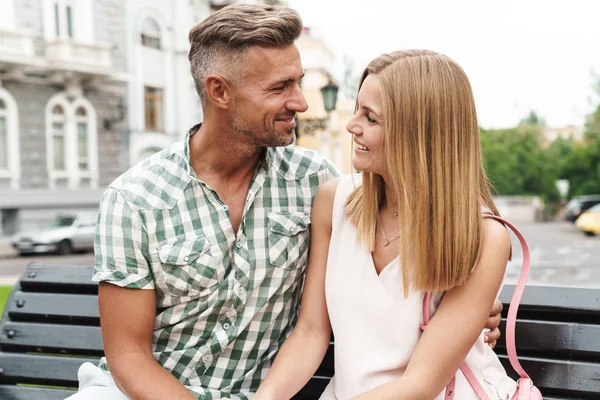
271,137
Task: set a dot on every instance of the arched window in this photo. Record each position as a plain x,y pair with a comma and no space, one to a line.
150,34
83,126
3,135
58,138
72,148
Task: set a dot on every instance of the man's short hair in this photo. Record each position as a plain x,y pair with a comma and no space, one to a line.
219,40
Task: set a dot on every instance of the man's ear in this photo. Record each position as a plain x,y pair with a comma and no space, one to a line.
218,91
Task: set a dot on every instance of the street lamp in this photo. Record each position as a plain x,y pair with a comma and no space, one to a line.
329,93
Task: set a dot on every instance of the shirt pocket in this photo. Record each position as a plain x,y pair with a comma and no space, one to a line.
186,268
288,238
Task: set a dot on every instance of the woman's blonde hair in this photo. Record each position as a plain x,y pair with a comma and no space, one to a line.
432,153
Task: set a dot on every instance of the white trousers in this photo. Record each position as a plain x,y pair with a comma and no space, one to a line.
96,384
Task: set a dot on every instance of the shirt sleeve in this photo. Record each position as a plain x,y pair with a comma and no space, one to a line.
328,171
121,244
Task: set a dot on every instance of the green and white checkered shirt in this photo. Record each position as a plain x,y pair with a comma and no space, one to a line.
225,304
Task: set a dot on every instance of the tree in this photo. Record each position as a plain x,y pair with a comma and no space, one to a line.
518,164
533,119
582,165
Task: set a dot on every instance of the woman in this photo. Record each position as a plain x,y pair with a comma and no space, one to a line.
414,224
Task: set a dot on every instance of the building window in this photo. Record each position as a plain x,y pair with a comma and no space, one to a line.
82,139
71,142
153,105
64,27
69,21
57,18
3,136
58,138
150,34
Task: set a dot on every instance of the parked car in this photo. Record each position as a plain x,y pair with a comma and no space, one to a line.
65,234
589,221
579,204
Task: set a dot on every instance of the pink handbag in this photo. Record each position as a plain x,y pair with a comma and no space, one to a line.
525,388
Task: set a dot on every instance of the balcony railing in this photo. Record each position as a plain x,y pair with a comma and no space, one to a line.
82,57
16,46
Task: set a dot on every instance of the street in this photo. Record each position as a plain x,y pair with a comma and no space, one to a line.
560,255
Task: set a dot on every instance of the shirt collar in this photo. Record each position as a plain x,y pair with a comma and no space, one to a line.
263,165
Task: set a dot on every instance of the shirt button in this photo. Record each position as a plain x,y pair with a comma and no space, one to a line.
186,259
292,229
238,244
226,325
225,207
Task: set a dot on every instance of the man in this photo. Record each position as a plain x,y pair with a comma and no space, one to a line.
201,249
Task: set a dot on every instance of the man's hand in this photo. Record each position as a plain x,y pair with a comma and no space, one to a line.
492,324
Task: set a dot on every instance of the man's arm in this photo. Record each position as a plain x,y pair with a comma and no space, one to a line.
304,349
127,302
492,324
127,317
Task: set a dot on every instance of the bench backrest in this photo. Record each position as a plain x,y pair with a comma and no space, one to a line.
51,326
558,340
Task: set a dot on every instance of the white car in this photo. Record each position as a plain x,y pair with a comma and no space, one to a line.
63,235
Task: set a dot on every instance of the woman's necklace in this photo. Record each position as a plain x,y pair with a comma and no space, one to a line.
386,241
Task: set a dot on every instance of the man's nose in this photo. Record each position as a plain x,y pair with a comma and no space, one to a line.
297,102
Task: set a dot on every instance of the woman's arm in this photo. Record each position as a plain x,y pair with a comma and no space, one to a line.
303,351
455,326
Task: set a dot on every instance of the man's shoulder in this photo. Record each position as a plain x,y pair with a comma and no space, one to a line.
296,163
157,181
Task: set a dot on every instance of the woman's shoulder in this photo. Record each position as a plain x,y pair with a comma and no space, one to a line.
345,183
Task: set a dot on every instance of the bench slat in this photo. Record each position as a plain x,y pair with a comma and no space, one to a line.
327,365
560,378
51,338
11,392
556,300
41,369
58,278
54,307
575,341
313,389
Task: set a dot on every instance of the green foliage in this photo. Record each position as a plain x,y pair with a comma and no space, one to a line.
516,162
4,293
520,162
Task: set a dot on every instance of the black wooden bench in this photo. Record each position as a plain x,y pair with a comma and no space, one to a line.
51,326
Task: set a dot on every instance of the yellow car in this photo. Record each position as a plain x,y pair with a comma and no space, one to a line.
589,221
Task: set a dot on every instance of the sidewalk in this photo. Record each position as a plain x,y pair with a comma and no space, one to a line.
9,280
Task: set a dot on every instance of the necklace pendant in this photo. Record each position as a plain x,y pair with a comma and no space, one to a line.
386,242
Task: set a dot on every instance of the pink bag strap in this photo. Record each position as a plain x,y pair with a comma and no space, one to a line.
511,319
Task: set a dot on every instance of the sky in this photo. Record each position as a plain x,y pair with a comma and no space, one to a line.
519,55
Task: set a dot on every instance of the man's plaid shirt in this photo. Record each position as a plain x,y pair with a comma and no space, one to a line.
225,304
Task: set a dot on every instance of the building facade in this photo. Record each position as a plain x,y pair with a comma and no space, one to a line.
87,89
317,129
162,100
62,82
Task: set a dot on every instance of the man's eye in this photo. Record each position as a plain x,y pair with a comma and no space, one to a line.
279,88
